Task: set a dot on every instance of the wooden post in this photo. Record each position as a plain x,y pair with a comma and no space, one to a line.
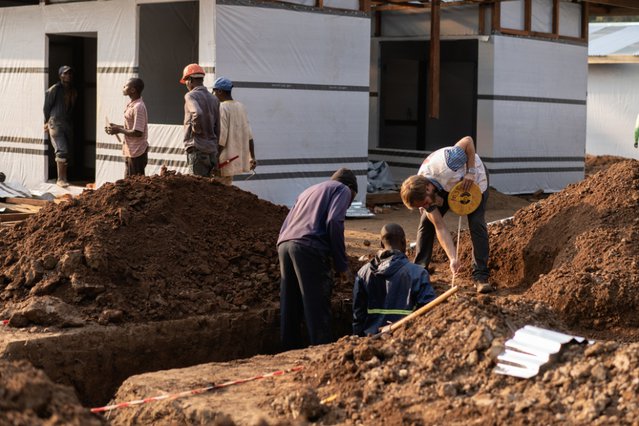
496,17
434,58
584,20
555,17
528,16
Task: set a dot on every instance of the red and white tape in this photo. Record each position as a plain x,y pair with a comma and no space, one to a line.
192,392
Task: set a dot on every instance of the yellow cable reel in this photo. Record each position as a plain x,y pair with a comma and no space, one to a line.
463,202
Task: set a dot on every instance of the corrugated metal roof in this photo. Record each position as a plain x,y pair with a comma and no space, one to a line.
606,39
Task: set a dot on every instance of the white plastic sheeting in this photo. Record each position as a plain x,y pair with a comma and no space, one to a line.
302,73
303,77
613,105
531,113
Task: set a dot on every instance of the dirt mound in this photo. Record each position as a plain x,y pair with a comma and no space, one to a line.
28,397
439,371
577,250
597,163
141,249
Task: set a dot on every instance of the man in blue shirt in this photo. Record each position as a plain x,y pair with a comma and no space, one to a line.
388,287
312,234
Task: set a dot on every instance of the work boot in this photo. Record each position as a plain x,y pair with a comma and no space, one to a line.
483,286
62,174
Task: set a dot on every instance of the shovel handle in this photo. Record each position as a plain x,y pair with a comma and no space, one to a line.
421,311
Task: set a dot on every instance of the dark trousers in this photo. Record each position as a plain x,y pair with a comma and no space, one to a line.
136,166
478,235
305,293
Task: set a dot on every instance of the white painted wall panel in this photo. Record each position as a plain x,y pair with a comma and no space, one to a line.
613,105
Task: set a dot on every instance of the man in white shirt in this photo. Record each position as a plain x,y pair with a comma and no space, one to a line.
236,152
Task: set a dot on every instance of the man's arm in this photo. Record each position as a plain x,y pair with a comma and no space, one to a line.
49,99
252,152
444,238
339,203
422,290
360,306
466,143
195,114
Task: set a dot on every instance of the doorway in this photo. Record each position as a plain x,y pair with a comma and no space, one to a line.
404,121
79,51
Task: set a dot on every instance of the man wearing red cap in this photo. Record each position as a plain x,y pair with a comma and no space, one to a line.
201,123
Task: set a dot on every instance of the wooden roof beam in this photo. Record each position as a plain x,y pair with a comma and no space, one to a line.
629,4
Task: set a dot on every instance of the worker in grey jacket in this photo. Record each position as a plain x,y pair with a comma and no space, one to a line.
59,102
201,123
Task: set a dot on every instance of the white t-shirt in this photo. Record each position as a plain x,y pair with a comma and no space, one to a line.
447,166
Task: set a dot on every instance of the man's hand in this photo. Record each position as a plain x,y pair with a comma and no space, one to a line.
113,129
636,144
253,163
468,181
454,266
46,129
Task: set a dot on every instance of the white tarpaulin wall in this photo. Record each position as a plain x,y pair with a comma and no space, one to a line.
613,105
531,113
613,88
303,76
302,73
24,74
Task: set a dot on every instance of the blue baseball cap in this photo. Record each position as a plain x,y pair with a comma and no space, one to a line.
223,83
63,69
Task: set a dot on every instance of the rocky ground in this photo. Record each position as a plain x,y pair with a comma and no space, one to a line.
144,249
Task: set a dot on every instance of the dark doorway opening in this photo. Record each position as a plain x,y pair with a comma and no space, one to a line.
79,51
169,34
404,121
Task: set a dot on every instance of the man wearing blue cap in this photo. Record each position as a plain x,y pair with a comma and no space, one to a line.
59,101
236,136
428,191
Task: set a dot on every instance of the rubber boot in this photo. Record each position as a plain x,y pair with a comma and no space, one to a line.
62,174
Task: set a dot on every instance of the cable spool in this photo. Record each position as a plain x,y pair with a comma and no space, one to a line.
463,202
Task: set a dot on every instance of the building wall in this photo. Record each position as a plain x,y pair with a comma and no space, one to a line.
532,113
613,105
302,73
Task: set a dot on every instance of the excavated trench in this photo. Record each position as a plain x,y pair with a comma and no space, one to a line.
95,360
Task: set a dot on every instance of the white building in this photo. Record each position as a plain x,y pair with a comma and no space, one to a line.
327,83
613,89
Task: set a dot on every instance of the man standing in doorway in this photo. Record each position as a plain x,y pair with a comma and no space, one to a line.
201,123
236,137
135,130
59,101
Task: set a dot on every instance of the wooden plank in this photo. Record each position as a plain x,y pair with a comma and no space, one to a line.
30,201
9,217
